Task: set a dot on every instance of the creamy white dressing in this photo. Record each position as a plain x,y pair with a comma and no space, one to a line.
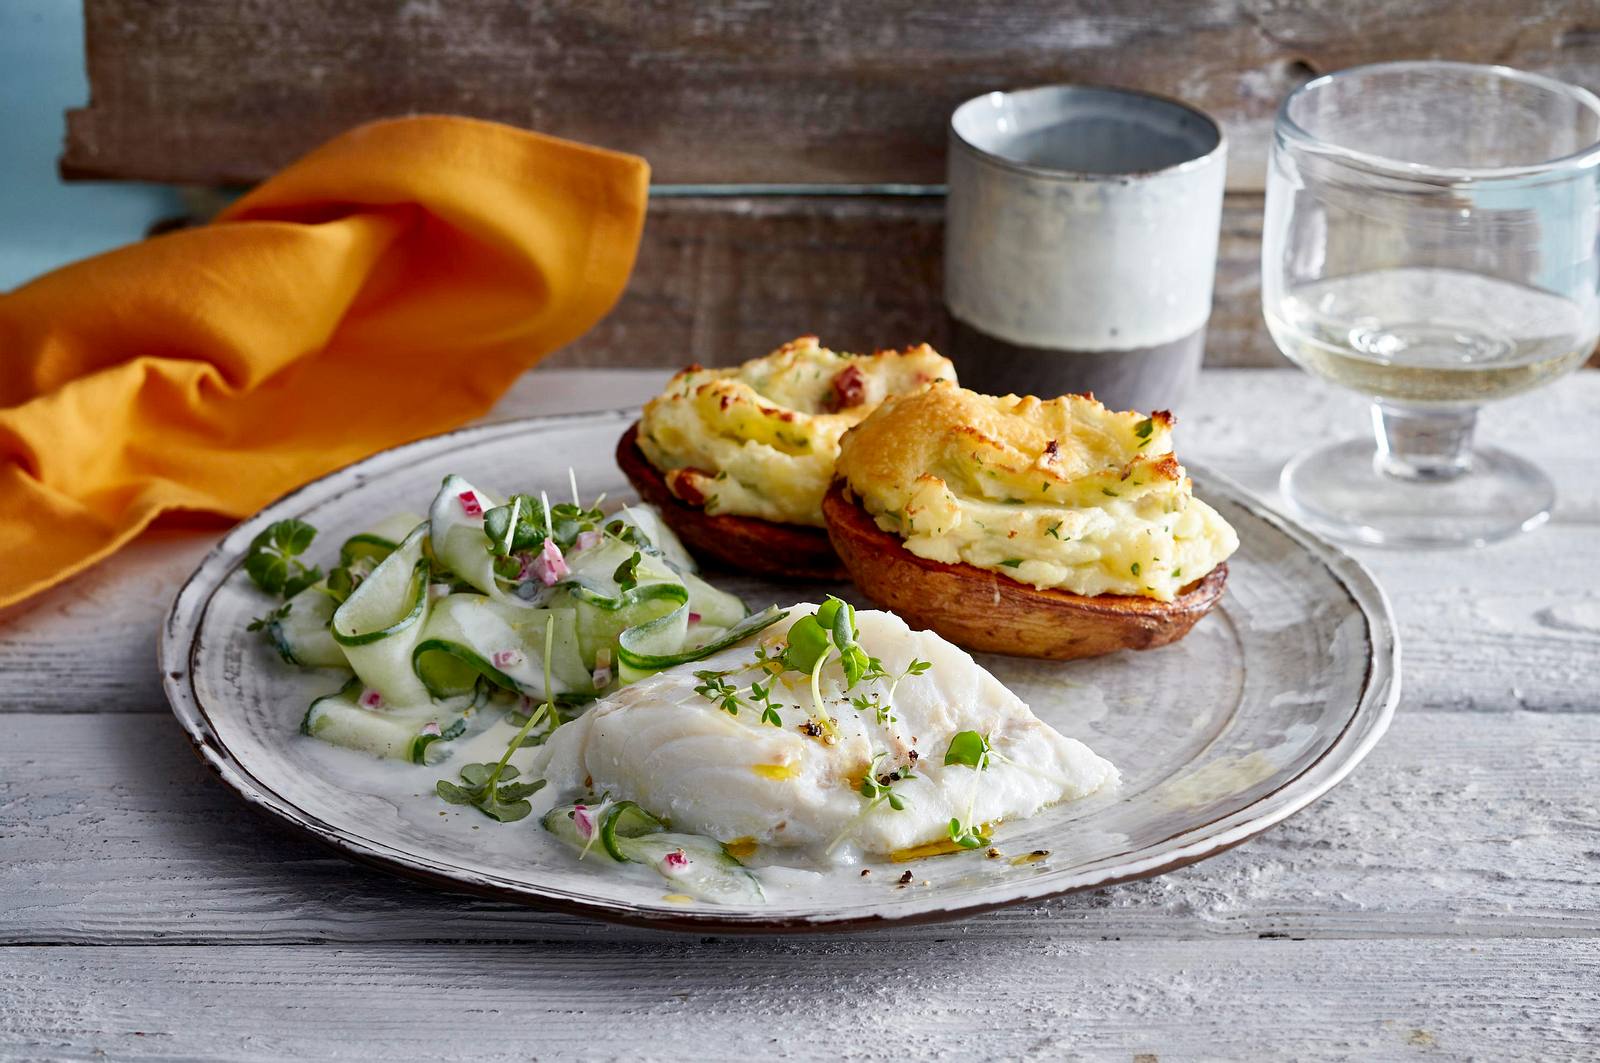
734,804
673,750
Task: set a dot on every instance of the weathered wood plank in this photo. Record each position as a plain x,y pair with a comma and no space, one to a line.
1521,630
997,999
217,91
114,833
721,279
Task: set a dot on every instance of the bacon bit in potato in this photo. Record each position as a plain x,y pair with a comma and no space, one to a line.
849,389
685,485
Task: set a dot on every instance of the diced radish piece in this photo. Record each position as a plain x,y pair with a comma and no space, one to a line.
584,821
507,658
371,699
550,566
694,618
470,504
432,729
675,862
587,540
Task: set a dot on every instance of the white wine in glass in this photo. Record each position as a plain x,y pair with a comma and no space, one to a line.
1430,241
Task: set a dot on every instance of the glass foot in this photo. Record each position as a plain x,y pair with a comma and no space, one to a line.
1339,492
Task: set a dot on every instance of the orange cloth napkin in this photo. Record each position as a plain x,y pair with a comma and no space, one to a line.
390,285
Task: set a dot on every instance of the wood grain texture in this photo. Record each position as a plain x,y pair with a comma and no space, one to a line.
721,279
217,91
1442,902
1513,626
1006,999
116,834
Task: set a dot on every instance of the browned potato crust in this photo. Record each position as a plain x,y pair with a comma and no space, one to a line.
983,610
745,544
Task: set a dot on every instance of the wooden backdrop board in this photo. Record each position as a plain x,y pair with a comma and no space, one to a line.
218,91
722,279
816,97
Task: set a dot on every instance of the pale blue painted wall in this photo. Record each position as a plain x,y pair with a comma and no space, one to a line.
45,222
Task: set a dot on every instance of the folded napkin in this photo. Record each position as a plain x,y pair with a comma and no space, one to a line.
390,285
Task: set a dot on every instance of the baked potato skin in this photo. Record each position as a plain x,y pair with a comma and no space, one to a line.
983,610
743,544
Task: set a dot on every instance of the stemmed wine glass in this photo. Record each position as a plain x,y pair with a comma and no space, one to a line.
1431,241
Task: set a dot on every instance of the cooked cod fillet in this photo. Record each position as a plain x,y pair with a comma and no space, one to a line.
681,755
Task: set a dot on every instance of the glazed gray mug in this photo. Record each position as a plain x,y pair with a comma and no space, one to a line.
1081,243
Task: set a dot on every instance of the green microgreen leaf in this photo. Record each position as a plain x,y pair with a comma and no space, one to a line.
761,696
518,790
844,626
970,749
966,837
268,570
505,812
292,537
299,581
878,787
627,573
489,787
524,523
973,750
808,643
452,793
714,687
272,559
1012,562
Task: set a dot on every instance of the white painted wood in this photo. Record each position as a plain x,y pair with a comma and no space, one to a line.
953,995
1448,891
87,645
90,644
1453,827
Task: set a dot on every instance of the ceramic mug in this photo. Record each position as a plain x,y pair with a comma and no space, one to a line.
1081,243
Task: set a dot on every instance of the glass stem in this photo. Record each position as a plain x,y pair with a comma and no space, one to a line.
1423,444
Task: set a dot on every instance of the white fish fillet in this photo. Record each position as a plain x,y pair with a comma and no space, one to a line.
680,755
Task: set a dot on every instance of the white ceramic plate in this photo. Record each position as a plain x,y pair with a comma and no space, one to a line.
1268,703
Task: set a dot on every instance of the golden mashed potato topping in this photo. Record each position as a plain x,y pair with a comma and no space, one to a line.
1061,494
760,439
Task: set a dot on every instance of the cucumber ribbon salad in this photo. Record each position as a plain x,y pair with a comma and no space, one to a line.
515,609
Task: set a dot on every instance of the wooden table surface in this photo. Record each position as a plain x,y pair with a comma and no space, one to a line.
1442,902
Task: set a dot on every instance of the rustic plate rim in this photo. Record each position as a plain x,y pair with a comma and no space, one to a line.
1362,728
